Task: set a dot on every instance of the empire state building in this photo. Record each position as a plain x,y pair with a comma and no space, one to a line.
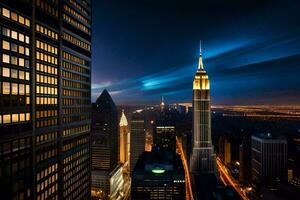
203,157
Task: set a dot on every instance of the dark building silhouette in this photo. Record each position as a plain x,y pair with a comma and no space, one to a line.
245,161
137,138
45,100
105,141
158,175
269,161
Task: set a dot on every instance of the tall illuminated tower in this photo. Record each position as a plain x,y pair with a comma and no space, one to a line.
203,157
124,147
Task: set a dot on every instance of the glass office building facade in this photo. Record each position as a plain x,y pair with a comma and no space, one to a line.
45,63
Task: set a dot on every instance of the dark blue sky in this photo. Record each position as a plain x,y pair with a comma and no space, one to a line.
145,49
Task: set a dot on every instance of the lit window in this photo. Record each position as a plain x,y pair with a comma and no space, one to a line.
27,51
21,62
6,119
27,116
27,76
27,22
5,58
14,16
21,20
27,39
14,35
21,37
27,89
22,117
27,100
14,88
6,88
15,117
14,73
5,72
21,50
21,89
5,13
6,32
21,75
5,45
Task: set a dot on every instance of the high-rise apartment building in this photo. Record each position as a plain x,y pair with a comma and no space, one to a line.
45,58
137,138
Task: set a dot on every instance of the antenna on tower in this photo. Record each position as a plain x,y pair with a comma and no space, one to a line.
200,48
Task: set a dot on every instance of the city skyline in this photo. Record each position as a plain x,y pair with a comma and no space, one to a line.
251,49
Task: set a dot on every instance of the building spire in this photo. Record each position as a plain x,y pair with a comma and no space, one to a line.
200,64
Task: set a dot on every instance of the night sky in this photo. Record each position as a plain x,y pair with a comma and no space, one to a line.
145,49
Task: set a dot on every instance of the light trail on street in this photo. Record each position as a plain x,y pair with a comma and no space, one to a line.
225,175
189,191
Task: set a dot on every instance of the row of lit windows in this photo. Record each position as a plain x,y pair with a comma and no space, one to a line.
46,58
46,47
15,17
76,68
46,90
77,118
67,101
79,185
75,93
46,31
76,85
15,60
76,14
76,130
15,88
78,25
78,6
76,41
14,118
50,179
74,76
46,113
45,6
46,79
44,155
46,100
44,173
46,68
75,170
14,73
46,136
75,110
74,144
48,122
15,48
79,154
15,35
73,58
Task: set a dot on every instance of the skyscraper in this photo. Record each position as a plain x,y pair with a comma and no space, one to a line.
137,138
269,160
105,142
45,99
203,157
124,139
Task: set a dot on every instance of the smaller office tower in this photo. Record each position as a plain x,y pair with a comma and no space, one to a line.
227,150
158,175
105,143
137,139
124,139
245,161
269,160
